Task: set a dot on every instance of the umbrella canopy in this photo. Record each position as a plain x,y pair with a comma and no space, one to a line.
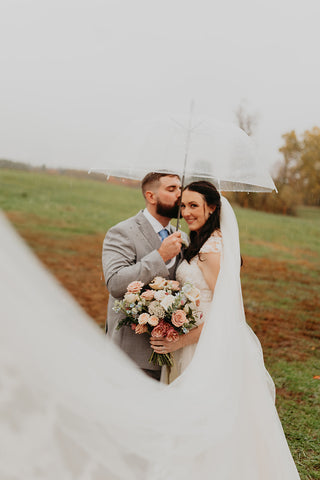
202,149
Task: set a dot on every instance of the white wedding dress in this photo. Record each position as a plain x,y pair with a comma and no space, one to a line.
190,272
74,407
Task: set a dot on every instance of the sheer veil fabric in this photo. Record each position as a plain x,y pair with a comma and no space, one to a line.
73,406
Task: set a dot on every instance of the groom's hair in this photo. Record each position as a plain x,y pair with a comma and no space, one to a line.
152,180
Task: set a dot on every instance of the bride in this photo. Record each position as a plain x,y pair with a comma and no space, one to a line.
200,207
74,407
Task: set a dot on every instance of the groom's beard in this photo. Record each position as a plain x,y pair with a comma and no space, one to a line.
168,211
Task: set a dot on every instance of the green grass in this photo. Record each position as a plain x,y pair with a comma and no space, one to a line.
301,423
280,237
71,205
63,206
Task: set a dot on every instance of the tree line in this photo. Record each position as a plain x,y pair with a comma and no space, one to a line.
296,175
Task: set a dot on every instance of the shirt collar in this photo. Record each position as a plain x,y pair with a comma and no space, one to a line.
156,225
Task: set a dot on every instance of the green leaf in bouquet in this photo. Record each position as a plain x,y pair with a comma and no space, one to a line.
125,321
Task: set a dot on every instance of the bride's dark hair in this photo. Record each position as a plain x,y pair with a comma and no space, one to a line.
212,198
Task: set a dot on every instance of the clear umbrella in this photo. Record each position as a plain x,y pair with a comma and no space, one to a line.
196,148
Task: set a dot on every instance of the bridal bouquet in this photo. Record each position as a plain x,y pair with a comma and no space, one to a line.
161,309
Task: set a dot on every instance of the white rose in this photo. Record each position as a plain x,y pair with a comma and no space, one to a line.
167,301
159,295
130,297
193,295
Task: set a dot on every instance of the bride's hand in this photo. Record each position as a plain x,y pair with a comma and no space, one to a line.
162,345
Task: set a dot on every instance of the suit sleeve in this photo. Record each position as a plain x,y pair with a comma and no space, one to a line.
120,266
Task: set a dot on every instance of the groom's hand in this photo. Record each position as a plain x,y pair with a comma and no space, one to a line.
171,246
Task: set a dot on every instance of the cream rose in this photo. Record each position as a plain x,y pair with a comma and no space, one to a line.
159,295
158,283
153,321
193,294
130,297
143,318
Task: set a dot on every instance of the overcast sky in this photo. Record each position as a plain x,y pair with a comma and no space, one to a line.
73,71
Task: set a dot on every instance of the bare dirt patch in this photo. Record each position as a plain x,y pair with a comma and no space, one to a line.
76,263
291,333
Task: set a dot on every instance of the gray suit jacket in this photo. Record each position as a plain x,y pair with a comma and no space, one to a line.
130,253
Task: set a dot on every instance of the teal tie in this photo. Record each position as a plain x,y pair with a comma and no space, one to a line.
163,234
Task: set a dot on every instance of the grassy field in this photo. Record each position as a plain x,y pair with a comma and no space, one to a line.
64,219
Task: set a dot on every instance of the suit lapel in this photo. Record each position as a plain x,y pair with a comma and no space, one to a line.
147,231
152,238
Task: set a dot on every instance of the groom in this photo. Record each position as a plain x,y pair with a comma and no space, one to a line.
141,248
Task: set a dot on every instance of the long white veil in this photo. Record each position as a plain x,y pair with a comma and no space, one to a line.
73,406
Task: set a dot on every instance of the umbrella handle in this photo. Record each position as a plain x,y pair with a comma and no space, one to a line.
185,159
178,218
179,209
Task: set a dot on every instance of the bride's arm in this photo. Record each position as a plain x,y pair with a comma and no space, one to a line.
161,345
209,265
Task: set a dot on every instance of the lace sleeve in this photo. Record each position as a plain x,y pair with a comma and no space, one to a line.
212,245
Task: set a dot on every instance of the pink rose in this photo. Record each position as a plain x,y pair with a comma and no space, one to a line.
148,295
143,318
153,321
160,330
133,326
178,318
141,329
135,287
172,335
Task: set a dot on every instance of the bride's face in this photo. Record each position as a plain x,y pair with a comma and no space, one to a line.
194,209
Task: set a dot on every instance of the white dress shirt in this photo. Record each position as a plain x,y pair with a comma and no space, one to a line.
157,226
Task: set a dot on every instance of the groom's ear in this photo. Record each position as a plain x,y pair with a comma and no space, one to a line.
150,197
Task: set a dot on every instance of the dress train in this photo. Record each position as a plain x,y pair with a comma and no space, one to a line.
74,407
